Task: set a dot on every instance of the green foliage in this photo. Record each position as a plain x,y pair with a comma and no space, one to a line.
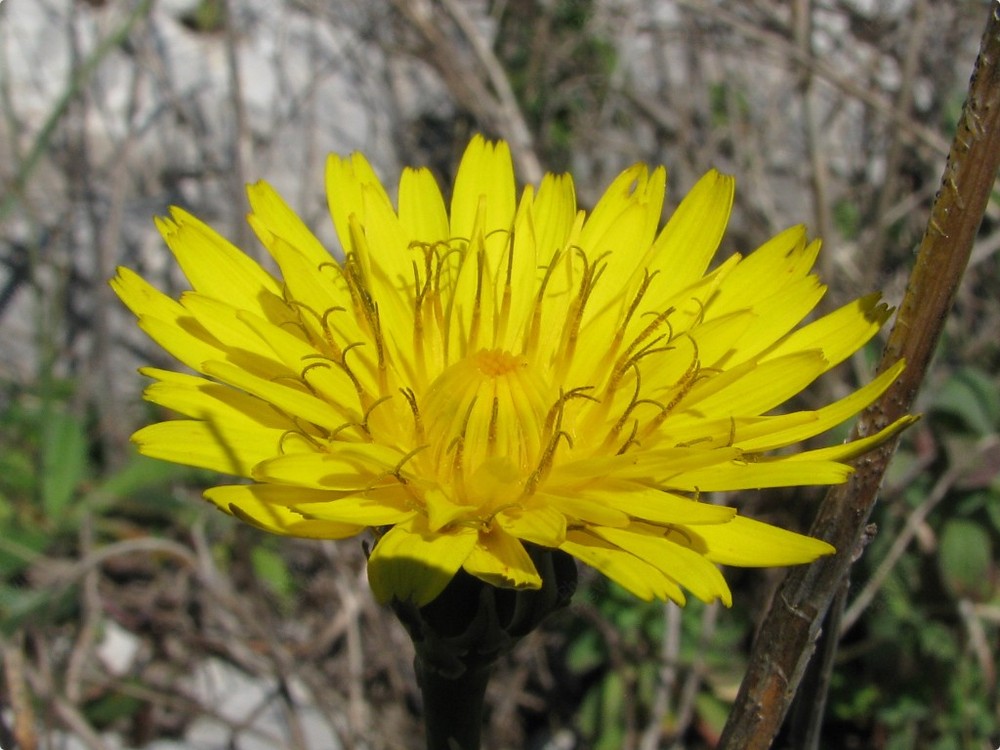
918,673
558,67
618,665
970,397
847,218
49,466
913,671
64,460
207,17
965,560
270,568
727,104
111,707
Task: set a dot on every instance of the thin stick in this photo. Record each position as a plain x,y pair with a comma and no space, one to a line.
789,632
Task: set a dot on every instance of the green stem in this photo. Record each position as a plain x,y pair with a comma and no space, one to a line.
453,706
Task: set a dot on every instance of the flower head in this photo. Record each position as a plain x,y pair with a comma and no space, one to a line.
509,371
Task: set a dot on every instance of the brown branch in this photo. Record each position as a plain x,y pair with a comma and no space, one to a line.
788,635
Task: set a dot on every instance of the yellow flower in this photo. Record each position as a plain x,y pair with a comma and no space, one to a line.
508,371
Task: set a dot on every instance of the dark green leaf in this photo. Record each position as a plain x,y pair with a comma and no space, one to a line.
64,461
965,559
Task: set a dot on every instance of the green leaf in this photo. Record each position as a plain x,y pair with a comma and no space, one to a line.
712,712
19,547
971,396
132,480
112,707
965,560
992,505
20,607
586,652
64,461
611,734
269,566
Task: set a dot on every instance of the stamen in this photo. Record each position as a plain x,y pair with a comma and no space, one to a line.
299,434
534,329
648,331
546,462
368,309
472,341
487,523
591,273
491,431
553,426
418,425
347,426
324,361
631,439
458,468
370,409
686,382
633,403
397,471
508,290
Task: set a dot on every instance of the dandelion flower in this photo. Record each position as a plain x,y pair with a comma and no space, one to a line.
507,371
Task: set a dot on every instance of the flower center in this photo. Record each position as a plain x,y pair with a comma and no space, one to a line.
496,362
486,411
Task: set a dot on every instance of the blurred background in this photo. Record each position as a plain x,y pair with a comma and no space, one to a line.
133,615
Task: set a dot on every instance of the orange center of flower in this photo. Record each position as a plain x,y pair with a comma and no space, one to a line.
487,410
496,362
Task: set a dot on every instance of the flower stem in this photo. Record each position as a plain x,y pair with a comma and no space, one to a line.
453,706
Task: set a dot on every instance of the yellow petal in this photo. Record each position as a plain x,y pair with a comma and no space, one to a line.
272,219
412,564
778,263
501,560
346,180
204,399
751,390
422,213
165,321
266,507
221,320
748,543
683,565
553,213
223,446
485,177
589,511
319,292
379,507
518,270
285,397
142,298
352,466
624,568
214,266
183,338
774,317
537,523
658,506
839,334
777,432
779,472
325,377
684,248
623,225
855,448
